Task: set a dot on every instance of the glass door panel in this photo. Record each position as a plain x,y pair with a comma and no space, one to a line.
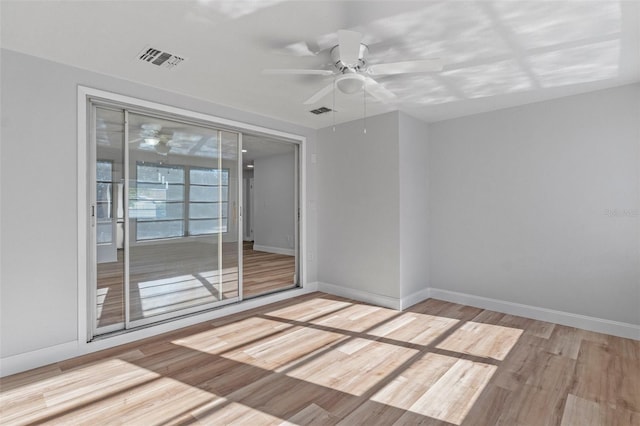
181,194
228,215
270,251
108,219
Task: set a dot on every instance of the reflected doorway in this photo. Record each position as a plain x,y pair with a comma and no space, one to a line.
271,219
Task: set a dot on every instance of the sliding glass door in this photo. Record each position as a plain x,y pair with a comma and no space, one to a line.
166,203
107,220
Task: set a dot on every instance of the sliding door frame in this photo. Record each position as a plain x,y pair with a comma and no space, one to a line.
92,249
86,177
129,322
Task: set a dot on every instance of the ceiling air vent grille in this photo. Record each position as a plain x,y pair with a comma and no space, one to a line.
320,110
158,57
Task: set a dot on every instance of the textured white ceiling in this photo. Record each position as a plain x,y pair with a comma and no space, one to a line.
496,53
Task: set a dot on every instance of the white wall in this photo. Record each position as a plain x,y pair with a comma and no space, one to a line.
520,203
373,209
38,281
274,203
414,207
358,213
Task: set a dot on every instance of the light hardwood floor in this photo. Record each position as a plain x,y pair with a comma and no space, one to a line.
320,359
169,277
265,272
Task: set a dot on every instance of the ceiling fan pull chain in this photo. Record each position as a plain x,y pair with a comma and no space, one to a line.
364,102
333,108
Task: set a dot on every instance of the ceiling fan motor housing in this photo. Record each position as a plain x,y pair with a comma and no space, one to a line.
342,67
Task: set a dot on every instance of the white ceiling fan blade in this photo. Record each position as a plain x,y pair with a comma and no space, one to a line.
285,71
376,90
349,42
319,94
424,65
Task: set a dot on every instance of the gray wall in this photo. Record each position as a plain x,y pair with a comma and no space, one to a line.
414,205
358,213
274,201
521,204
38,184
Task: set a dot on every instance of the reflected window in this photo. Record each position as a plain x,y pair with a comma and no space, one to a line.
104,201
158,199
208,200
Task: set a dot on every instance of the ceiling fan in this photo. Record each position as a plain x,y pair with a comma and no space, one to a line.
150,135
352,72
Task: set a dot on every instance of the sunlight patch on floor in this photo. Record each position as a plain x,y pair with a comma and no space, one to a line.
353,373
483,340
453,395
309,309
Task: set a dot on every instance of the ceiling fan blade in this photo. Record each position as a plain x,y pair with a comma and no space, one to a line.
376,90
424,65
349,42
319,94
313,47
285,71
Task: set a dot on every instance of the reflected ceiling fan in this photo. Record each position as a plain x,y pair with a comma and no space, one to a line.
352,72
150,135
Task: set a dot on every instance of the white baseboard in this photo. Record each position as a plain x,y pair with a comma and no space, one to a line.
584,322
599,325
415,298
376,299
25,361
38,358
276,250
362,296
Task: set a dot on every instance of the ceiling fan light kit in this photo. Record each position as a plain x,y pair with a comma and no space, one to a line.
350,83
163,148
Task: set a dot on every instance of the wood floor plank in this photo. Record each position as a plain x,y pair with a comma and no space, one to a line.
582,412
604,376
323,359
492,402
311,414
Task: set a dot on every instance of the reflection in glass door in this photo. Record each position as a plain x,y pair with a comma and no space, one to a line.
183,254
179,245
270,251
107,218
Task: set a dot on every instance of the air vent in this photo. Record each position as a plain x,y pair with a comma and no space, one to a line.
158,57
320,110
